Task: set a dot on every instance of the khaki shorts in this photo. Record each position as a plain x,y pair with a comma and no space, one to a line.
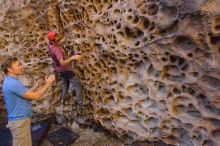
21,132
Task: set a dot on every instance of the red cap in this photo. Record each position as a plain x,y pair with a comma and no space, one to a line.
51,36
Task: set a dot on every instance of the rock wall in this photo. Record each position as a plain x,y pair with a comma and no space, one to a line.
150,67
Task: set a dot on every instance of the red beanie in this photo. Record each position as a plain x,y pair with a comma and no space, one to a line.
51,36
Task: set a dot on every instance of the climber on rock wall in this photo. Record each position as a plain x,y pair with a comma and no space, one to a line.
17,99
62,66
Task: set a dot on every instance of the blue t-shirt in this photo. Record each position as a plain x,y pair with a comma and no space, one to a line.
17,107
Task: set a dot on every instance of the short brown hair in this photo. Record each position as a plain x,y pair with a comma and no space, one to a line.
7,62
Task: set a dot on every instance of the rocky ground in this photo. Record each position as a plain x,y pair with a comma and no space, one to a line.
88,137
91,137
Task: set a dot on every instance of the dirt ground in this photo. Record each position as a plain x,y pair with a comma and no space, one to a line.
88,137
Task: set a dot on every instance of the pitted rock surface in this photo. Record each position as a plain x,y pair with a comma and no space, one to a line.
150,67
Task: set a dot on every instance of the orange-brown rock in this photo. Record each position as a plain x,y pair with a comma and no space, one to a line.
150,67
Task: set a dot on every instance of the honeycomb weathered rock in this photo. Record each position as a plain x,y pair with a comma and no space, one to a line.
150,67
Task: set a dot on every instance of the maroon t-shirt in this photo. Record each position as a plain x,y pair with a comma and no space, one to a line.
56,53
